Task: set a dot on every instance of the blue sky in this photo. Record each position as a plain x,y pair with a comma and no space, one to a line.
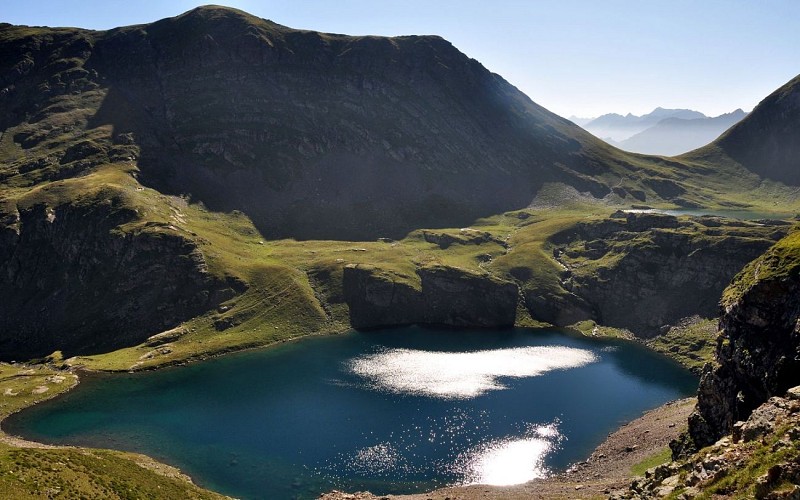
581,57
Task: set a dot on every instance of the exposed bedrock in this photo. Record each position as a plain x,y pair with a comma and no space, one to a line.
644,271
758,352
441,295
71,280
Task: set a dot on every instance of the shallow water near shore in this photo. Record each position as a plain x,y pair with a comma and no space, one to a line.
393,411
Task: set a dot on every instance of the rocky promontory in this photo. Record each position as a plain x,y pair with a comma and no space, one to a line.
642,271
72,280
437,295
758,350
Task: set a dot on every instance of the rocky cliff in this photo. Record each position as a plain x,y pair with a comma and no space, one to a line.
758,351
760,460
442,295
644,271
634,271
72,280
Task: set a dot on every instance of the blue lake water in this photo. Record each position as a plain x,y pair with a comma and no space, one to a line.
393,411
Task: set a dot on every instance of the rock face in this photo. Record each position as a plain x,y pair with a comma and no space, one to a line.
758,353
650,270
71,281
444,296
770,435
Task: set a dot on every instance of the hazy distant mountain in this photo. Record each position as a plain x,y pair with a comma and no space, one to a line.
673,136
577,120
618,127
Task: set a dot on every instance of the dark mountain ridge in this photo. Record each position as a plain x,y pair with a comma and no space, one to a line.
143,168
312,135
766,142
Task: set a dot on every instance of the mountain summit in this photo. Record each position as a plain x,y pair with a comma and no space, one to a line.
767,142
313,135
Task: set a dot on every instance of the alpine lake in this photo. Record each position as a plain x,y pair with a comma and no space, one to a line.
397,410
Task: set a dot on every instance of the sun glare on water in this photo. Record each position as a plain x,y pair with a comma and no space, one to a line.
461,375
509,461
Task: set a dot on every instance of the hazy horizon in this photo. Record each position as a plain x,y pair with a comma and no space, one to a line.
575,57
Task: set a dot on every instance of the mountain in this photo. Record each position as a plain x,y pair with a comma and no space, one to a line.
673,136
312,135
143,168
577,120
767,142
178,177
618,127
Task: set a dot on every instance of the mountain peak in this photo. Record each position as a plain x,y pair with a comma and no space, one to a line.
765,141
217,18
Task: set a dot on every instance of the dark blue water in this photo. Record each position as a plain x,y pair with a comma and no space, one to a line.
299,419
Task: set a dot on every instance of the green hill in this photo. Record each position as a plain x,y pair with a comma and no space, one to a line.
766,142
150,175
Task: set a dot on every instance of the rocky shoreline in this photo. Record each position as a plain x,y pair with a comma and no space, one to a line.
607,471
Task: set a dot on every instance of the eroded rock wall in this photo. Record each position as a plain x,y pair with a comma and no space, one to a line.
758,356
71,280
645,271
443,295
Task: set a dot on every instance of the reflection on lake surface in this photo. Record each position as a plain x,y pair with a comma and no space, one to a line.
459,375
393,411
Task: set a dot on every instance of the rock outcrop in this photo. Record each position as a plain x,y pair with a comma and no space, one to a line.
443,295
71,280
760,460
645,271
758,351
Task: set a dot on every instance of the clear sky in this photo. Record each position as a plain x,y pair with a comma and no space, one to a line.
574,57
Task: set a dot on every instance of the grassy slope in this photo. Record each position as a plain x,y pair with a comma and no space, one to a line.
282,301
780,261
692,343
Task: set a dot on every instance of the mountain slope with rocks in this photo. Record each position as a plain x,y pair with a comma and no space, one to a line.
765,142
312,135
186,143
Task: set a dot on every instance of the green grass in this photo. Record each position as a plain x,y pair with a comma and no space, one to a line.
25,385
282,303
692,343
780,261
589,328
82,473
661,457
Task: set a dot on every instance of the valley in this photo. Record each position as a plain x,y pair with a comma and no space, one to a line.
238,184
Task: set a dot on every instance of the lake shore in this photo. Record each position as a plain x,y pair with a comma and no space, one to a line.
606,470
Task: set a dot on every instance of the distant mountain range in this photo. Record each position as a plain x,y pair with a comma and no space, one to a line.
661,132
